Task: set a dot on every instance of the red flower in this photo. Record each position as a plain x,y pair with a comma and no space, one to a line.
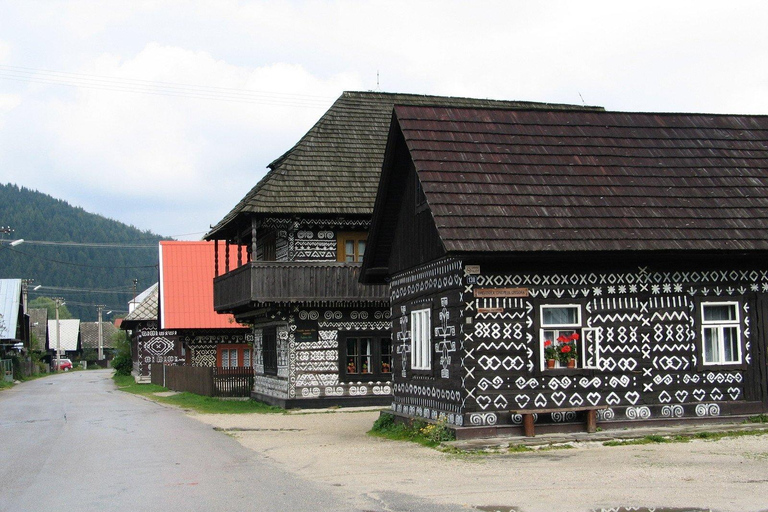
562,338
565,349
547,343
574,336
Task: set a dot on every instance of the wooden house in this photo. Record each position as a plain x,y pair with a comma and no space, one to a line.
636,240
173,321
319,337
14,320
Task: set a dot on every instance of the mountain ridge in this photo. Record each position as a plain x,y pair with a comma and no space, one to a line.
37,216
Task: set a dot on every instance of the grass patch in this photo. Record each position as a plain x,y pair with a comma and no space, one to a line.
553,447
760,418
197,403
426,434
519,448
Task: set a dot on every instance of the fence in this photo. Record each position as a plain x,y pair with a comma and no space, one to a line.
210,381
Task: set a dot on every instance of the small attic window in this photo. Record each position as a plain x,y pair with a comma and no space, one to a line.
421,199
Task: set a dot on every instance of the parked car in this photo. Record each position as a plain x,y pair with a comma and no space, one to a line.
64,365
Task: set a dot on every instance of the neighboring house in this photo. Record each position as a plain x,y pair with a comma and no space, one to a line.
320,338
186,308
64,339
89,338
149,344
174,322
14,322
38,327
638,240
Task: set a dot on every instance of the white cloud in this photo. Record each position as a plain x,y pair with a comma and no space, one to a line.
177,164
177,150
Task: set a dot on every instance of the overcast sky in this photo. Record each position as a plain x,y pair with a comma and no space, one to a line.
163,114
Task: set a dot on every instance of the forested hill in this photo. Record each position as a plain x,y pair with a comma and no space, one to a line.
39,217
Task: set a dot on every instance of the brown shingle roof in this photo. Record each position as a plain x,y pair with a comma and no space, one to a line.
145,311
335,166
89,335
512,180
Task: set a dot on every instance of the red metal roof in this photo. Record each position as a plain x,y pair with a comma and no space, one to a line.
186,286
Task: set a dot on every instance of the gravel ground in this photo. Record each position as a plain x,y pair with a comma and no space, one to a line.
332,448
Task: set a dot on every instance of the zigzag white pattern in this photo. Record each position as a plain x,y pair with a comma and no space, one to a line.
681,316
500,345
677,347
620,348
617,317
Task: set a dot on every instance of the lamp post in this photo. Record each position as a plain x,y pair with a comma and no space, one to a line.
101,333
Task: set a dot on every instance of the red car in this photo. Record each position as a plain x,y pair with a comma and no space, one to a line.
64,365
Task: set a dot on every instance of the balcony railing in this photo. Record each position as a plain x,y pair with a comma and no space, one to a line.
263,282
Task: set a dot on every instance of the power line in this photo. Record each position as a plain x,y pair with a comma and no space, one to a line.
84,290
13,249
132,85
98,245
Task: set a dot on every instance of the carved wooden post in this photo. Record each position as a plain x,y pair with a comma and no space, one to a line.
226,256
239,252
216,257
254,247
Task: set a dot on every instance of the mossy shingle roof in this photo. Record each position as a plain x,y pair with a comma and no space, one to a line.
334,168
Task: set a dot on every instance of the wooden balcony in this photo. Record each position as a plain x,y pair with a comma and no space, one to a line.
257,283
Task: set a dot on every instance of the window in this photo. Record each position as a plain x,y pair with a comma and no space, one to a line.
421,340
269,247
247,358
366,355
560,335
720,333
229,358
350,247
269,346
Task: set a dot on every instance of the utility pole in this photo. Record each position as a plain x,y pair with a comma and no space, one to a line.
101,333
59,301
24,292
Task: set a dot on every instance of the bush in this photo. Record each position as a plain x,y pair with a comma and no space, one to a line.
122,363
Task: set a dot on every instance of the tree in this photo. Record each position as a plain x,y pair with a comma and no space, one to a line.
50,304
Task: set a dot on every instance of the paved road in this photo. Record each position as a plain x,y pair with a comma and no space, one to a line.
73,442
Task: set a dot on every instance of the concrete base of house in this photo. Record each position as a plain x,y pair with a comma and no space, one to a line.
733,412
321,403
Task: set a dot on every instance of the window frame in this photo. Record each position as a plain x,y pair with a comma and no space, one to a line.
721,325
577,327
377,356
356,237
269,350
421,347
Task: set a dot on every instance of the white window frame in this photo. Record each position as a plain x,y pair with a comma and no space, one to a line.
557,328
247,358
720,326
421,339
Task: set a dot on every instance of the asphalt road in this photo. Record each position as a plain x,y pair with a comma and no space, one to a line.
73,442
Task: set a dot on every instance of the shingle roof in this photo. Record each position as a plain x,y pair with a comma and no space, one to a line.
89,335
38,323
512,180
146,309
69,328
186,287
10,297
341,155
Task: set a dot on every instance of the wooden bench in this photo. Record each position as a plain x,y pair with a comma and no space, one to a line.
527,415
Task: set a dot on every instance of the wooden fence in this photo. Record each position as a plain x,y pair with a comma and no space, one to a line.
208,381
